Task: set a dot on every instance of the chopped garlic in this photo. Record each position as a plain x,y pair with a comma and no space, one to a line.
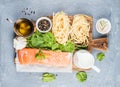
19,43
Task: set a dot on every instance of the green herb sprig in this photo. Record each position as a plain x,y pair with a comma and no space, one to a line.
40,55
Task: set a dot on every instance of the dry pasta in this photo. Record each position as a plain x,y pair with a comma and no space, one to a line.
61,27
80,30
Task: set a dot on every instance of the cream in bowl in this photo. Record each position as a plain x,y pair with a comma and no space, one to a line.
85,60
103,26
43,24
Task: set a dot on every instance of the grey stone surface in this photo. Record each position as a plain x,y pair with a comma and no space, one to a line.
110,67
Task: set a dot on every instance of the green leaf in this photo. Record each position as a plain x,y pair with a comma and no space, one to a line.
48,77
55,46
81,76
78,47
37,55
40,55
100,56
69,46
61,47
48,41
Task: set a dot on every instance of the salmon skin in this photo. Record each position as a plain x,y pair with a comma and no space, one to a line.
52,58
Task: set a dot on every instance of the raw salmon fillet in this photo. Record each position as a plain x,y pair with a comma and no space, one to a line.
52,58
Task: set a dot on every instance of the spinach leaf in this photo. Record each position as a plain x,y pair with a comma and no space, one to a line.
55,46
81,76
100,56
69,47
48,77
48,41
78,47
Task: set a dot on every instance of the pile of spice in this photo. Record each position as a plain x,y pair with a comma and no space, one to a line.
28,11
44,25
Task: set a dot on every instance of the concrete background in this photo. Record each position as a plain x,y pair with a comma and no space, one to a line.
110,70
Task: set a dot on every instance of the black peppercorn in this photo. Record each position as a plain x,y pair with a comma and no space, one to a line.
44,25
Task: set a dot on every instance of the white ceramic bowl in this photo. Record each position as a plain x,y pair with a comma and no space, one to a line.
84,59
41,18
81,61
106,29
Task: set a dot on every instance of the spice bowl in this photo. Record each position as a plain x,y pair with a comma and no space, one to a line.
103,26
43,24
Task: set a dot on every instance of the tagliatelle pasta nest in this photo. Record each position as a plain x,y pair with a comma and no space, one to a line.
61,27
80,30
